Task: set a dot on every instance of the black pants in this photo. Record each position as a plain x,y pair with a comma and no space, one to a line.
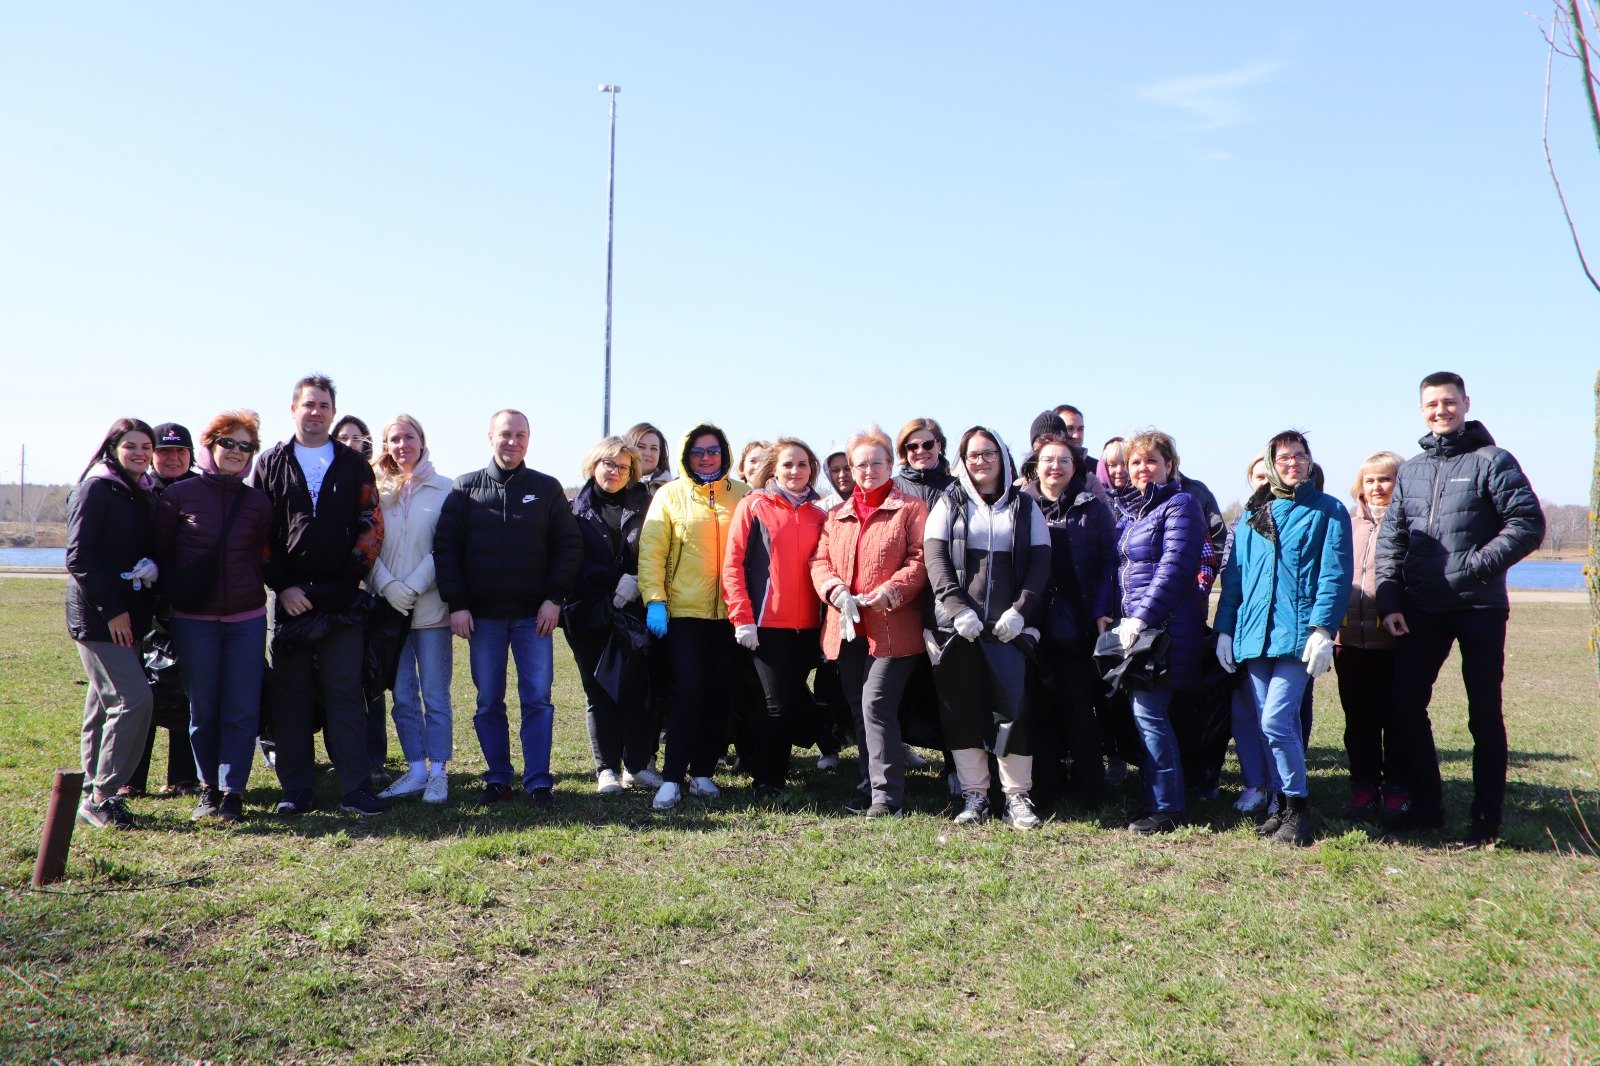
620,737
331,668
1366,690
783,661
703,664
1418,658
1063,694
181,768
377,729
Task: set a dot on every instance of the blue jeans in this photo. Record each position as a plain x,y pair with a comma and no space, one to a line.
1161,769
1255,766
422,696
1277,686
221,664
492,639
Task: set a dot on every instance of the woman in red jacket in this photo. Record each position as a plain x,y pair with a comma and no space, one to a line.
869,570
775,611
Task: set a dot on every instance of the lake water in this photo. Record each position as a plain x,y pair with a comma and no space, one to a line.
1541,574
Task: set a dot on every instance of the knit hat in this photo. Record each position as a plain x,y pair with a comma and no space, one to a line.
1048,422
172,435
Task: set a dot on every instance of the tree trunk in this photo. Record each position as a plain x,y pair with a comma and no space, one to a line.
1591,572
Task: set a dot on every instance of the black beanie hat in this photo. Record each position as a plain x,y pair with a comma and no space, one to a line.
1048,422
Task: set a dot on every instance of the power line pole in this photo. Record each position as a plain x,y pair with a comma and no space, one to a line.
611,207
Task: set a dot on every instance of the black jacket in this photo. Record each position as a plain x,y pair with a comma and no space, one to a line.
329,552
1462,514
1083,561
607,554
506,542
110,526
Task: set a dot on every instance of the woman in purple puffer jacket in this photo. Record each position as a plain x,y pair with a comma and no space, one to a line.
1158,553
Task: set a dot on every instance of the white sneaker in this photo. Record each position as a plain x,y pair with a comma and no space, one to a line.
646,778
607,783
704,786
1251,799
667,796
438,789
411,782
914,761
827,762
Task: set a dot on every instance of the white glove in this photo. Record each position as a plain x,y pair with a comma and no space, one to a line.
400,596
1319,652
1225,652
144,573
746,636
968,625
627,591
1128,631
849,614
1008,626
931,642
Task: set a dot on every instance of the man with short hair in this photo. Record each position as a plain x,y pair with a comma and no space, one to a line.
1072,419
327,530
507,551
1462,514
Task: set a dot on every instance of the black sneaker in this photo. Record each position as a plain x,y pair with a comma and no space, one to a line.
363,801
296,803
494,792
1480,834
231,809
208,804
1151,824
1298,827
542,799
860,803
111,813
1412,819
974,808
762,790
883,810
1276,813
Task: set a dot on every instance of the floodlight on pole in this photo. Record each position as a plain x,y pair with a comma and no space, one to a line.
611,210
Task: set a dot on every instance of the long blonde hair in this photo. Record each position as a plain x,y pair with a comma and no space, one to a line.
391,479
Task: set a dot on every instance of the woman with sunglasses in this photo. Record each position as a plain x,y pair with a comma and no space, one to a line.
210,534
681,547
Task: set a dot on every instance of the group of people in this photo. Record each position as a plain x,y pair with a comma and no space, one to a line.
1006,613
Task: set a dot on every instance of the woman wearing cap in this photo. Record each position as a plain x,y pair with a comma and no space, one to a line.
1159,545
412,493
110,539
869,570
217,521
680,567
1284,591
988,554
776,615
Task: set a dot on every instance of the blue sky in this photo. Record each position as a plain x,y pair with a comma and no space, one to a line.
1220,220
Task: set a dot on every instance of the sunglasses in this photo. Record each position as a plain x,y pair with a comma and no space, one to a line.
921,446
714,452
229,444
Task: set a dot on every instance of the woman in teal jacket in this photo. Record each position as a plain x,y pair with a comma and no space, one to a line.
1284,591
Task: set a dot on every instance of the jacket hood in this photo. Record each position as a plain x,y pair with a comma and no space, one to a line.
1008,472
106,469
1469,438
208,465
684,471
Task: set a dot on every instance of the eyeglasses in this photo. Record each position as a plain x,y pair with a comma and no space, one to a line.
713,452
229,444
921,446
1056,460
987,456
611,467
870,464
1294,459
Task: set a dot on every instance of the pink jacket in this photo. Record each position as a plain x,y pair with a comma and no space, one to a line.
886,552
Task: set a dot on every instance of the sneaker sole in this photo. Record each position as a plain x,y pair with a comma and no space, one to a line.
362,813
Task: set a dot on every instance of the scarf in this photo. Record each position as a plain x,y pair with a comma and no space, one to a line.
1259,506
401,486
799,499
868,502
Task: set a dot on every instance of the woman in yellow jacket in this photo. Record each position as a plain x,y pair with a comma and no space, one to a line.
680,568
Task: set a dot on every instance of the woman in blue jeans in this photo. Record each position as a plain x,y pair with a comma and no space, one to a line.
1159,551
411,494
210,533
1284,590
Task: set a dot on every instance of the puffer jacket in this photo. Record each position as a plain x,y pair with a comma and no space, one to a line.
1273,593
607,554
506,542
1083,560
926,485
766,576
110,527
1363,625
188,523
410,520
887,552
1462,514
686,536
1159,552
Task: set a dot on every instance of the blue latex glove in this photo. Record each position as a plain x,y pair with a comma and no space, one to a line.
655,619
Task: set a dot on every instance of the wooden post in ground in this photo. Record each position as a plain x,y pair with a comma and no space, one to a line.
56,839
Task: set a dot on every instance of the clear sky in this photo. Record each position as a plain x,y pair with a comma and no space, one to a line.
1221,220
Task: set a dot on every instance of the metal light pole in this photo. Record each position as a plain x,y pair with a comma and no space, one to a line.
611,209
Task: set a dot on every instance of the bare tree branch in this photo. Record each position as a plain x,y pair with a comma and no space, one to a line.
1550,163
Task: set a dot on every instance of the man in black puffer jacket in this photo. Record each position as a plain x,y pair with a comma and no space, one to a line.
507,551
1463,513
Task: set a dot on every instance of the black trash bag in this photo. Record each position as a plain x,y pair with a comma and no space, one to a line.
623,669
386,633
1144,665
293,633
1203,720
982,686
160,653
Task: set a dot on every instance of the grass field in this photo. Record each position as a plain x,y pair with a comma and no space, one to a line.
738,932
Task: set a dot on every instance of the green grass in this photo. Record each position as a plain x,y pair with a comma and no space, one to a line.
740,932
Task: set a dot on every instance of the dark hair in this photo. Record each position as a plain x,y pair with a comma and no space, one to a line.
366,434
1288,436
1443,377
1064,408
107,452
966,438
1052,438
316,381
